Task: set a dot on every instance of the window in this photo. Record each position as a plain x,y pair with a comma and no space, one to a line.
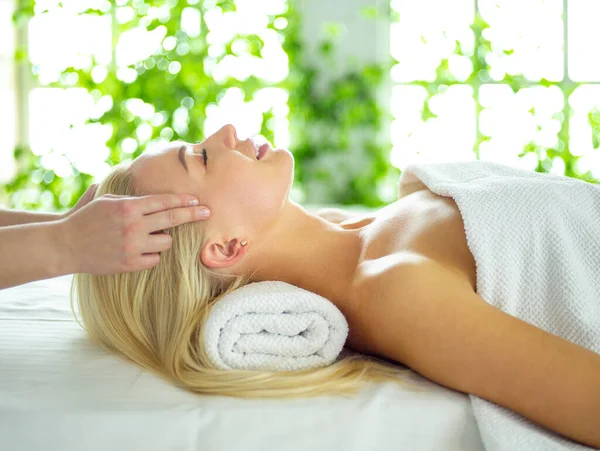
512,82
499,80
102,35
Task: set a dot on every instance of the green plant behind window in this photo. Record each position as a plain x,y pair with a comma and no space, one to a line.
325,173
339,159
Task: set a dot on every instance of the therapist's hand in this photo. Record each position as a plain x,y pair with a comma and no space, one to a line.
114,234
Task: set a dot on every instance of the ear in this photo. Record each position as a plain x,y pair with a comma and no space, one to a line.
222,255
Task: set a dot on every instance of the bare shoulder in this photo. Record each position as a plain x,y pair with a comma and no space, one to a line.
424,315
399,307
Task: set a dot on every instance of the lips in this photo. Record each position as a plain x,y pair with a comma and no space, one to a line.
262,150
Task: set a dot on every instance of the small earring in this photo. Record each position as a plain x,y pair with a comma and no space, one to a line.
244,242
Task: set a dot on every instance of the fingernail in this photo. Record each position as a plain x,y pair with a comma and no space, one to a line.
194,202
204,212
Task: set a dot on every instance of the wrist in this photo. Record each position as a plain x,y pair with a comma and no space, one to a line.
62,248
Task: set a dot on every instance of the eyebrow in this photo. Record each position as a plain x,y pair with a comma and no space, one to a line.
181,153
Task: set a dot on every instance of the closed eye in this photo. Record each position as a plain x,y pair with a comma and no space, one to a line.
205,156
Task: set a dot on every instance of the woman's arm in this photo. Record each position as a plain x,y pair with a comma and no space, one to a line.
13,217
429,319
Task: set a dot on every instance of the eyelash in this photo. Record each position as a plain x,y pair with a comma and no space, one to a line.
205,157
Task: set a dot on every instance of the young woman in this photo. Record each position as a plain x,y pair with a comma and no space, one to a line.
404,278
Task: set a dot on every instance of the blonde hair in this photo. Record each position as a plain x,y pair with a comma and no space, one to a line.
152,317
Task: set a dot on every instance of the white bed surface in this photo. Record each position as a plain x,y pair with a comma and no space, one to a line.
59,392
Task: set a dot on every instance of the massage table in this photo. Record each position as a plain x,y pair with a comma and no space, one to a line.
58,392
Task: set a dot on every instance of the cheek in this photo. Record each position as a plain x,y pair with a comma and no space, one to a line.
242,188
236,195
253,196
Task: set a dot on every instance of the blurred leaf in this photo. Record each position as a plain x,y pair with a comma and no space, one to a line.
369,12
326,48
333,29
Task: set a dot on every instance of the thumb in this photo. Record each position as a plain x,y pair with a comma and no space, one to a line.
87,197
92,190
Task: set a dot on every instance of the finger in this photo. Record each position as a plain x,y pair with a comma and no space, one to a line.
174,217
160,202
148,261
90,193
157,243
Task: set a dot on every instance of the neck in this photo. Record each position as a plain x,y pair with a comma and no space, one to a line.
310,252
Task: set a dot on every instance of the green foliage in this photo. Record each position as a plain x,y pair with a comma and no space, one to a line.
324,121
594,121
480,76
325,124
349,103
545,156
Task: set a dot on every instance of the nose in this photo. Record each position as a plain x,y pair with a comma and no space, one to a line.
230,135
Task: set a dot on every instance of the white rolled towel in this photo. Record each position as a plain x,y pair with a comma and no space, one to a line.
274,326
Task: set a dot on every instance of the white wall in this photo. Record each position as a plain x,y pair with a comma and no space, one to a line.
366,39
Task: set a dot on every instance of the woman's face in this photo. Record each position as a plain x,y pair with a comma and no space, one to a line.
244,194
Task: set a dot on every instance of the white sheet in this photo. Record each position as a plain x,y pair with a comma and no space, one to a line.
58,392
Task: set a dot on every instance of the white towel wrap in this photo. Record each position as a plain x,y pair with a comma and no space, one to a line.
536,242
274,326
